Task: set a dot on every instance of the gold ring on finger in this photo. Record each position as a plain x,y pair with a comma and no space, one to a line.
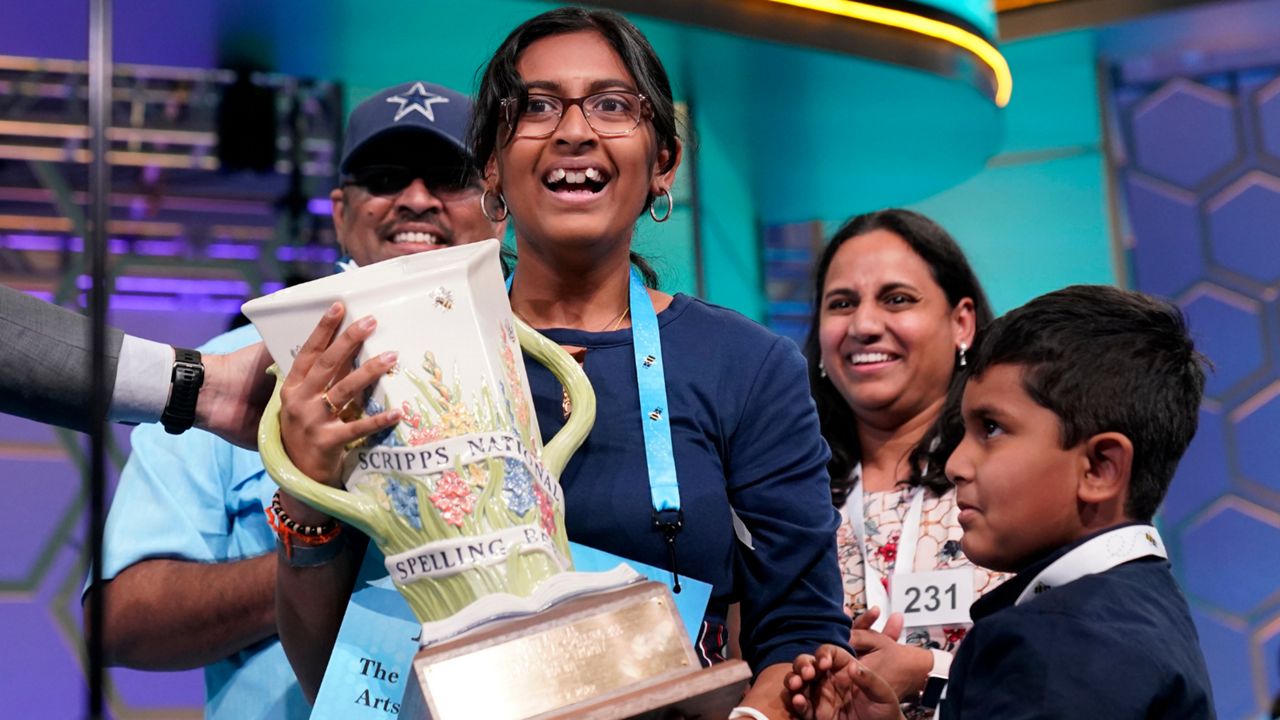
333,409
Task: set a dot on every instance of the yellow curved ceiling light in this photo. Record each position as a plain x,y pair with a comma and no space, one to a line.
985,51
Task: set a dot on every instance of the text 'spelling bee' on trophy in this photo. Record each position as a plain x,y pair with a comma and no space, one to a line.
463,500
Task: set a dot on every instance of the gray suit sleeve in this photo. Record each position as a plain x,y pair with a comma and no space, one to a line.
45,361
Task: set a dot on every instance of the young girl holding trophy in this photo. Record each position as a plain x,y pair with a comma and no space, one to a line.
719,471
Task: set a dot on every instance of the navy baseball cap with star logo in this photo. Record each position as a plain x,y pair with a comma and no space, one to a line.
412,107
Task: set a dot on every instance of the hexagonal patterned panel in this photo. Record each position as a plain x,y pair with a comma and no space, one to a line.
1202,477
40,675
1268,103
32,529
1235,528
1256,426
1167,220
1223,645
1227,327
1243,222
1185,133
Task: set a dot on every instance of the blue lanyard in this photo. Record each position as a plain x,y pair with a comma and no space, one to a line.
651,382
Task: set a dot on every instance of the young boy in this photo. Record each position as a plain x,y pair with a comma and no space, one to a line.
1076,411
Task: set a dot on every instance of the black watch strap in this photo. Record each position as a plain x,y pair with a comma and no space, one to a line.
933,691
184,390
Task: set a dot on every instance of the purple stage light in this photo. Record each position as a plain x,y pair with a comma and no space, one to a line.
158,248
55,243
173,286
156,303
310,253
322,206
232,251
33,242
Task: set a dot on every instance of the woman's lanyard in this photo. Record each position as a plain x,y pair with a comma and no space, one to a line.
651,383
908,539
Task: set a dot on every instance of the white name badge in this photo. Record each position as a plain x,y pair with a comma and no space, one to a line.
939,597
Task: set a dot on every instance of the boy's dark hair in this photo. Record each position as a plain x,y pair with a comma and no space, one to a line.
951,270
1107,360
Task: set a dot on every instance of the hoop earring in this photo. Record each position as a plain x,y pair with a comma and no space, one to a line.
671,204
484,207
963,360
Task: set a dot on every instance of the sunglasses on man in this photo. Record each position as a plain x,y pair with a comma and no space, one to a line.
446,183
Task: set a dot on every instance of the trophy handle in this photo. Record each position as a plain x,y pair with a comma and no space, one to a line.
353,508
556,453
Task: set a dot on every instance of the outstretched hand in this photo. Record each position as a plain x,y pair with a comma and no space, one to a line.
832,685
904,667
892,627
320,399
235,391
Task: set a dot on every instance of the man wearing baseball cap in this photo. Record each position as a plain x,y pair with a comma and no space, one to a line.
190,560
408,184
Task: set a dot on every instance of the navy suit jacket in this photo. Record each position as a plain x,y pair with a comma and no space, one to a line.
1115,645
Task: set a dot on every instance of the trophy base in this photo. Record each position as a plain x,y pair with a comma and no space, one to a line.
607,656
702,694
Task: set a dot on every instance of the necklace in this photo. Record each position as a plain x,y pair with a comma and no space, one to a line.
566,405
616,323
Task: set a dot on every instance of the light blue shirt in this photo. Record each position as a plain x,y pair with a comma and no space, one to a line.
196,497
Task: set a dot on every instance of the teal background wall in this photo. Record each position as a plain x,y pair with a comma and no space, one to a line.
1024,191
978,12
1036,217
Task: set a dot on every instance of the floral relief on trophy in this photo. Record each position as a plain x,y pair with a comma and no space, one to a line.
477,474
513,391
517,487
437,412
454,497
402,497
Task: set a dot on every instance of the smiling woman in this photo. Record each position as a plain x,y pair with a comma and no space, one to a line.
897,308
587,138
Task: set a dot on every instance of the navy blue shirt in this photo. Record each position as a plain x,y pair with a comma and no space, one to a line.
745,435
1117,645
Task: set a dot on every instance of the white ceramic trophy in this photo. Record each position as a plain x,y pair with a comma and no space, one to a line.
464,502
460,496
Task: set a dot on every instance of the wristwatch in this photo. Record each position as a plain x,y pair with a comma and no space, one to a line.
184,389
936,684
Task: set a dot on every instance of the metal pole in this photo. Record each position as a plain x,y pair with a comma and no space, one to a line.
99,185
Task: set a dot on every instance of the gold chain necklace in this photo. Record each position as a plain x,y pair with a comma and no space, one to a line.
566,405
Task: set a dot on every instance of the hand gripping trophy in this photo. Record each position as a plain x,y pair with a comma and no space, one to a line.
463,500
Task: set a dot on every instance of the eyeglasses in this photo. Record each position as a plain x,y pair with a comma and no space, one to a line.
446,183
610,114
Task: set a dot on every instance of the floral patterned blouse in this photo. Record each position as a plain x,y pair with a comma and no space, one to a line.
937,549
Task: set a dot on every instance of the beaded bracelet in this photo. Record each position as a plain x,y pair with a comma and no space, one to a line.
293,526
310,538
